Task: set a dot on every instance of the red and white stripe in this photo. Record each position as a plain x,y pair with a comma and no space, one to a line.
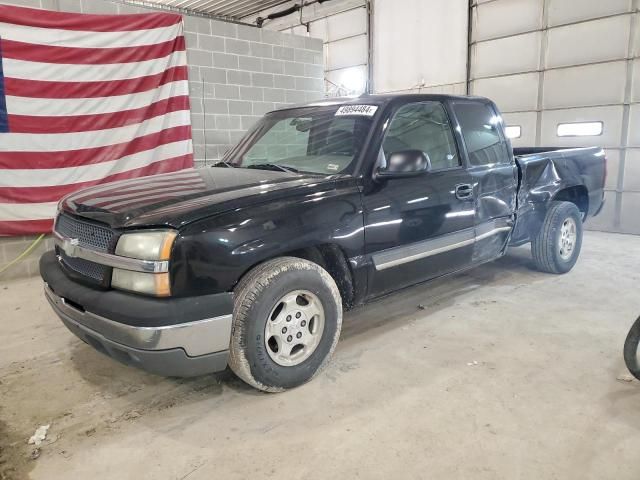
90,99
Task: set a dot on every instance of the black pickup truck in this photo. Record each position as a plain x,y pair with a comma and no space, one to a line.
320,207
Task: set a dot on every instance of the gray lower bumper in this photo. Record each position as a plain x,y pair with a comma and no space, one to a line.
183,350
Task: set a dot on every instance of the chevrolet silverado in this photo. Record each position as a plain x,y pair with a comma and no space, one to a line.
319,208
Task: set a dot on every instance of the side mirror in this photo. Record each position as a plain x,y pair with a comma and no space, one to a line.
405,163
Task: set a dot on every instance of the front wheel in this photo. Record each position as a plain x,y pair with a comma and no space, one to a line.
286,324
631,351
556,247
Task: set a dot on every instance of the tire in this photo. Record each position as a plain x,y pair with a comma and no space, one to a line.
549,252
259,299
631,349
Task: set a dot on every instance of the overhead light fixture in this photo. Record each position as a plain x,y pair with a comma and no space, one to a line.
353,80
513,131
580,129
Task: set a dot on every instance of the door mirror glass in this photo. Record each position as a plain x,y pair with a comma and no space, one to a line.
405,163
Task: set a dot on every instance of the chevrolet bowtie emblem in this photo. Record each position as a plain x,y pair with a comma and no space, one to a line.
70,246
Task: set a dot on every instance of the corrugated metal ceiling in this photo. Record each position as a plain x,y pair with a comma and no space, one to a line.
230,9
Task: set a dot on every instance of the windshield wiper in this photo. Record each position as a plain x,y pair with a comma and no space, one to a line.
223,163
274,166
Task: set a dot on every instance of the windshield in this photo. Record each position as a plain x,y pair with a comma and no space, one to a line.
313,140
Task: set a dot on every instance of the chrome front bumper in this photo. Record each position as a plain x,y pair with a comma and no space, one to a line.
185,349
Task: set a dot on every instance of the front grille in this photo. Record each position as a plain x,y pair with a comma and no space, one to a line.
89,235
85,268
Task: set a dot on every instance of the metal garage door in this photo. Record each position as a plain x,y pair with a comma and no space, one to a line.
567,73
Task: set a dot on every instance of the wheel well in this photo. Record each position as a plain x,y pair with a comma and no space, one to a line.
577,195
330,257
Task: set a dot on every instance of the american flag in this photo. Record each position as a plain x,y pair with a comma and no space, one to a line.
85,100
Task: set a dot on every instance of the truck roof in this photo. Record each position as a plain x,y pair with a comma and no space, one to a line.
382,99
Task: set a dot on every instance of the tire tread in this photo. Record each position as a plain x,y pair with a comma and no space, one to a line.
543,244
247,292
631,349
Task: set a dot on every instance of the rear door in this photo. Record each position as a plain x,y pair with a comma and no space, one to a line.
420,227
494,175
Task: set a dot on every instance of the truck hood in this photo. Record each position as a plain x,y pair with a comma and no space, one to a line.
178,198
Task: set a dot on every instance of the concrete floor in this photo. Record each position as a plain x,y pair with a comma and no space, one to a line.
402,398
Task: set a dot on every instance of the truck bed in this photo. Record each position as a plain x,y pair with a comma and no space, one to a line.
545,174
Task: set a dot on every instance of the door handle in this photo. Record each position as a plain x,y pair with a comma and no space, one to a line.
464,191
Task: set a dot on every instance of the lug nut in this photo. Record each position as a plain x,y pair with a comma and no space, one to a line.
289,338
288,318
284,329
303,323
298,315
299,334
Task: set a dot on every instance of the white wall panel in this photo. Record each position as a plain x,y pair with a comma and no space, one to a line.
613,169
606,220
568,11
632,171
600,84
297,30
345,53
635,91
636,42
629,218
513,93
450,89
341,25
588,42
634,126
527,123
416,40
506,55
506,17
345,77
611,116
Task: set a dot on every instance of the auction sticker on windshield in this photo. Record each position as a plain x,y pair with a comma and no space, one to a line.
364,110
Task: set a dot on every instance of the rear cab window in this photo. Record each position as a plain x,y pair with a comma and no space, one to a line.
481,130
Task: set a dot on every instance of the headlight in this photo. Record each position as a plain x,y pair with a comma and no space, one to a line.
152,245
150,283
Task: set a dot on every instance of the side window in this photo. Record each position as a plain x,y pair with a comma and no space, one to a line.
480,125
423,126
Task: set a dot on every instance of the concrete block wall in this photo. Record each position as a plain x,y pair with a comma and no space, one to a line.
237,73
12,247
343,27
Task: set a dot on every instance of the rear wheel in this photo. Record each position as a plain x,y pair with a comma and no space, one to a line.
631,352
556,247
287,320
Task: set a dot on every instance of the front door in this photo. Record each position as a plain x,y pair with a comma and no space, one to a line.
494,173
420,227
